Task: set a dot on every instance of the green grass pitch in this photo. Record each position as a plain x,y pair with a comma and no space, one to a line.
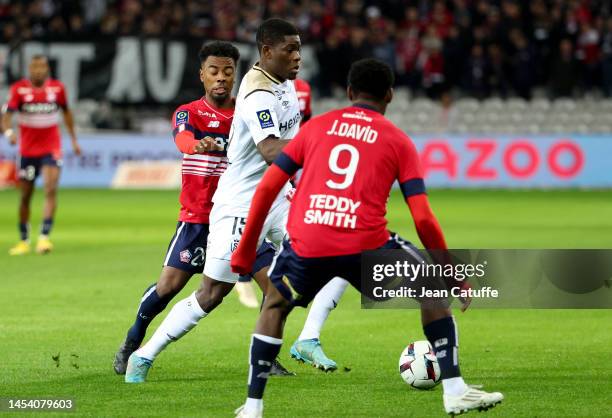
78,302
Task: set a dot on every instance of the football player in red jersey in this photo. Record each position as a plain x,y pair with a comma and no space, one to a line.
350,159
201,130
38,101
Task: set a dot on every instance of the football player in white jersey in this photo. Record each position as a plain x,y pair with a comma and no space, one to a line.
267,115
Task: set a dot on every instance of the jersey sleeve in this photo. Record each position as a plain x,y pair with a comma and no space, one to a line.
410,173
62,100
260,116
13,101
181,121
291,159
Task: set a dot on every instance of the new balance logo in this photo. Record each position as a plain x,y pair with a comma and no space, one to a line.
214,124
441,354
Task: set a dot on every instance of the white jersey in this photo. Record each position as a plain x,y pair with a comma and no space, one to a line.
264,107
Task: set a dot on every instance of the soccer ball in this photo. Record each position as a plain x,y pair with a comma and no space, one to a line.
418,365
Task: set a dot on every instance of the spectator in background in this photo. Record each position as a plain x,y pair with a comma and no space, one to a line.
431,63
455,50
476,73
588,53
522,65
407,51
520,39
498,71
564,78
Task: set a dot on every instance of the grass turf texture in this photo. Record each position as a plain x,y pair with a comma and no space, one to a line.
79,301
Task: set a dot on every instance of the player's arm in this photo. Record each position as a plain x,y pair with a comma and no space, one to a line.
62,101
7,126
425,222
12,104
260,117
271,147
184,135
69,122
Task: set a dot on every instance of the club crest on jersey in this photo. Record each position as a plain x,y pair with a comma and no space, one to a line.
265,119
185,256
234,245
182,116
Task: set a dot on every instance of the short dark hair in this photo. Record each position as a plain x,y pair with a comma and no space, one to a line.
219,49
273,31
371,76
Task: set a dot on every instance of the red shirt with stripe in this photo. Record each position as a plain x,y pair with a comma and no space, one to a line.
200,172
350,158
38,116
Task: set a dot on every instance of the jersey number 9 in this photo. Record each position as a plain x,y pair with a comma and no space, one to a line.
348,172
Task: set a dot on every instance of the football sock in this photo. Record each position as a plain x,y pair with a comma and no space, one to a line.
24,231
180,320
454,386
151,304
45,229
264,350
442,334
324,302
253,404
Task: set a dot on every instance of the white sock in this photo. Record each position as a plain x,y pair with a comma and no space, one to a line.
325,301
253,404
181,319
454,386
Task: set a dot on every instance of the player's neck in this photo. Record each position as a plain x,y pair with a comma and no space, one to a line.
264,67
371,105
37,83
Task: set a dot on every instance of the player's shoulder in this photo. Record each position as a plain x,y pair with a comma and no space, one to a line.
257,79
55,84
24,82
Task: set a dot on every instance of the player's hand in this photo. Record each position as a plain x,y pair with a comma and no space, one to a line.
76,148
11,136
242,263
207,144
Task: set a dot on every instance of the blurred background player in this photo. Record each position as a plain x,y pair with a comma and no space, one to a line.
200,129
357,154
38,101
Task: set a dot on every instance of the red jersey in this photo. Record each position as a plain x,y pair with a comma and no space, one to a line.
350,157
38,116
302,89
201,171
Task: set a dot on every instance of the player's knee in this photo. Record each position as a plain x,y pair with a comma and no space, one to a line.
50,192
209,297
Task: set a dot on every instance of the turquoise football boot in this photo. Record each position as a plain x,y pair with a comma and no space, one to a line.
137,369
310,352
